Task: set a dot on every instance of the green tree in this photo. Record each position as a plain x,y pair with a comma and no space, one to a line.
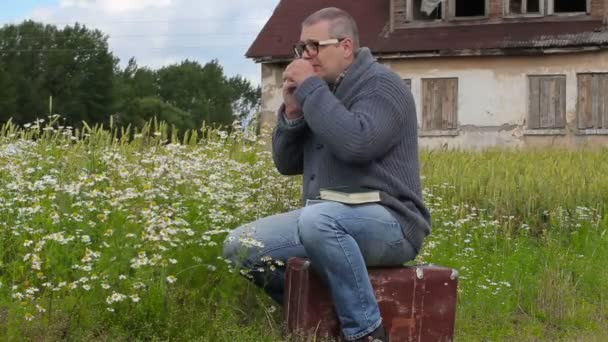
22,55
202,91
131,84
73,65
80,75
8,103
245,98
141,110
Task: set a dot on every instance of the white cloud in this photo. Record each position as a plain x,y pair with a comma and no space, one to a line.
119,6
115,6
161,32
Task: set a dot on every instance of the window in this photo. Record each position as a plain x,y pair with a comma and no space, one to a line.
439,104
408,82
547,104
569,6
468,8
516,7
419,15
592,105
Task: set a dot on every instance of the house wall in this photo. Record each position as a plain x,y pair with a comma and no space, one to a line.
492,97
599,9
272,98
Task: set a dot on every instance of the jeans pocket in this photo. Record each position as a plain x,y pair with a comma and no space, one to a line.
396,253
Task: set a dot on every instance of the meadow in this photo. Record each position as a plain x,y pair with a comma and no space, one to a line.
105,238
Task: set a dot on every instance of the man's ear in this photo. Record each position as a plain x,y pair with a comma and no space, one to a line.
349,47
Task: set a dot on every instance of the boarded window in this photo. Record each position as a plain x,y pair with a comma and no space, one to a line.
439,104
592,106
568,6
469,8
547,102
524,6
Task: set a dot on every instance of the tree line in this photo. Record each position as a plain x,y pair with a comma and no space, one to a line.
70,71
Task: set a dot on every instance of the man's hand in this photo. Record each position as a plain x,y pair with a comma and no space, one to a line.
298,71
295,74
292,107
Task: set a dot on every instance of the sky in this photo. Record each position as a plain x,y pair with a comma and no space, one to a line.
160,32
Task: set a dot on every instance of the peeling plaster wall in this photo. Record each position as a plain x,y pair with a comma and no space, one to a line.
492,96
272,98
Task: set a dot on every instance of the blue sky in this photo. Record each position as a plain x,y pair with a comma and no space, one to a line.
14,10
161,32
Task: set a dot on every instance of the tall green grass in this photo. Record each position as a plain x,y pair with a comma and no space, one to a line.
114,234
527,230
524,183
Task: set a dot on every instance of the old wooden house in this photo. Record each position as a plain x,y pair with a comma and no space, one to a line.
483,72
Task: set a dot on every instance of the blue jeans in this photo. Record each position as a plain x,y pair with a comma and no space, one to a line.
340,241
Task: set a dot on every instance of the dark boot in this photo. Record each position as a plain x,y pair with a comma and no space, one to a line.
378,335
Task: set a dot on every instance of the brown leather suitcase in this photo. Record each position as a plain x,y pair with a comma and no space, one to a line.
417,303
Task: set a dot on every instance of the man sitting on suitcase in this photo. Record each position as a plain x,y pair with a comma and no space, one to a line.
346,120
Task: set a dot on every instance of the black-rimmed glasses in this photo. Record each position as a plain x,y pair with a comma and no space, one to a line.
312,47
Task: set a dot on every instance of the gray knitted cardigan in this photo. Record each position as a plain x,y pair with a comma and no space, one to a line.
363,135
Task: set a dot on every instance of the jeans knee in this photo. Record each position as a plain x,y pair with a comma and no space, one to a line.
238,250
315,224
231,247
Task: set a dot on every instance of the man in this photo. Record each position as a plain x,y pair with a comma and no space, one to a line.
346,120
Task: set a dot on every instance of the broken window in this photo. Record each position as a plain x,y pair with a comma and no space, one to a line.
469,8
524,6
420,15
592,107
547,105
569,6
516,6
533,6
439,104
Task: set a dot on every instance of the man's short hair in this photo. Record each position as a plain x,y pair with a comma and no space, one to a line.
341,24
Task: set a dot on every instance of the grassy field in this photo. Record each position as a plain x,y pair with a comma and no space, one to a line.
102,239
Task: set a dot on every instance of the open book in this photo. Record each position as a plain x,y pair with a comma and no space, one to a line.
350,194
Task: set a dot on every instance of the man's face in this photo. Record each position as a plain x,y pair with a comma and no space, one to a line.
330,61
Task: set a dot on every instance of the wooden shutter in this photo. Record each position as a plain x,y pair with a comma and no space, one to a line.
450,104
560,101
602,95
585,101
592,106
439,104
428,111
547,104
534,103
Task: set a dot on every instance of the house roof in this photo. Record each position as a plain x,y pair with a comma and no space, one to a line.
282,30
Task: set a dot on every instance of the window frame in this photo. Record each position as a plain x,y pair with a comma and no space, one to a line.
551,9
507,10
451,15
410,13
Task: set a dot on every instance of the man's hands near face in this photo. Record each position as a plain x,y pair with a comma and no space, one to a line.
292,107
298,71
295,74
